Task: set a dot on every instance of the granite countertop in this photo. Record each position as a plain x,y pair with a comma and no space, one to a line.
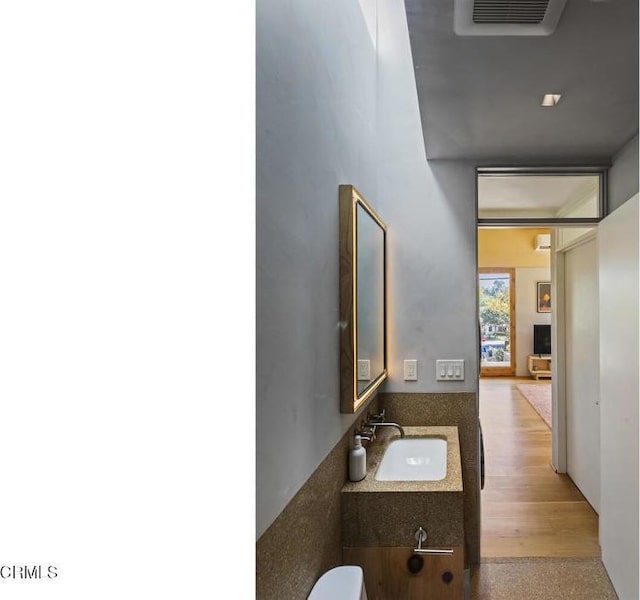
375,450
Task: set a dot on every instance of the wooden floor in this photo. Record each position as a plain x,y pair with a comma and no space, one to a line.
527,508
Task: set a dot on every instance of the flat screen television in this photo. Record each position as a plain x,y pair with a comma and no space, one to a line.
542,339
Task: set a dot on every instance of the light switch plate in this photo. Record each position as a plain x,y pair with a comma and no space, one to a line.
449,370
411,370
364,370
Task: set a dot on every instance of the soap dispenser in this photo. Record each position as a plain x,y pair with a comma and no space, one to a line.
357,460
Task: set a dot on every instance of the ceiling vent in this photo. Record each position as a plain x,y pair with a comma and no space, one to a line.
542,241
507,17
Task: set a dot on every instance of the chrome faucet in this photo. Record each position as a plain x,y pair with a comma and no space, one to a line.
376,425
375,421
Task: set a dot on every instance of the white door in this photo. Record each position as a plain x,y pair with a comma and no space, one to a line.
582,367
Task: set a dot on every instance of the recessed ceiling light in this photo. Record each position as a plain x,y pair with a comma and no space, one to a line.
550,99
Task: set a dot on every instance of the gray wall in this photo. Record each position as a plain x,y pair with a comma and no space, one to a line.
330,111
623,174
316,117
432,274
430,210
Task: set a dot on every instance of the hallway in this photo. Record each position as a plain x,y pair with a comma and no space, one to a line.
528,510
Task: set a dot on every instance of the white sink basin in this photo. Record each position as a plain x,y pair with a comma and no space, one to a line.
414,459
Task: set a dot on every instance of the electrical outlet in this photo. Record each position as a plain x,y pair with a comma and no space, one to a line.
364,370
411,370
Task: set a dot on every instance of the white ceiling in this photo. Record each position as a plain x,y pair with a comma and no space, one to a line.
480,96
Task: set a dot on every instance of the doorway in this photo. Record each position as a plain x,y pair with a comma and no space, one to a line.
531,506
528,509
567,201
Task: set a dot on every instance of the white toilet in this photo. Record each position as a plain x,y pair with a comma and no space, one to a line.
340,583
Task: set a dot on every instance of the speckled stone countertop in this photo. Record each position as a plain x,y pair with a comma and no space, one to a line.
388,513
376,449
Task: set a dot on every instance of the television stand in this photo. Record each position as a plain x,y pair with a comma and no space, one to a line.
539,366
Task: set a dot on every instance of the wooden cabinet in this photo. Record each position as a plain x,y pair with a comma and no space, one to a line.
539,366
387,575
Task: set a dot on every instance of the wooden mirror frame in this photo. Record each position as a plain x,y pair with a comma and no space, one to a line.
350,401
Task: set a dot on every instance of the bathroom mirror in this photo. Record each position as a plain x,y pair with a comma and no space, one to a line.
363,354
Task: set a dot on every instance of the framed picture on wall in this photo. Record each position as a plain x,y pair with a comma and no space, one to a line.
544,296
